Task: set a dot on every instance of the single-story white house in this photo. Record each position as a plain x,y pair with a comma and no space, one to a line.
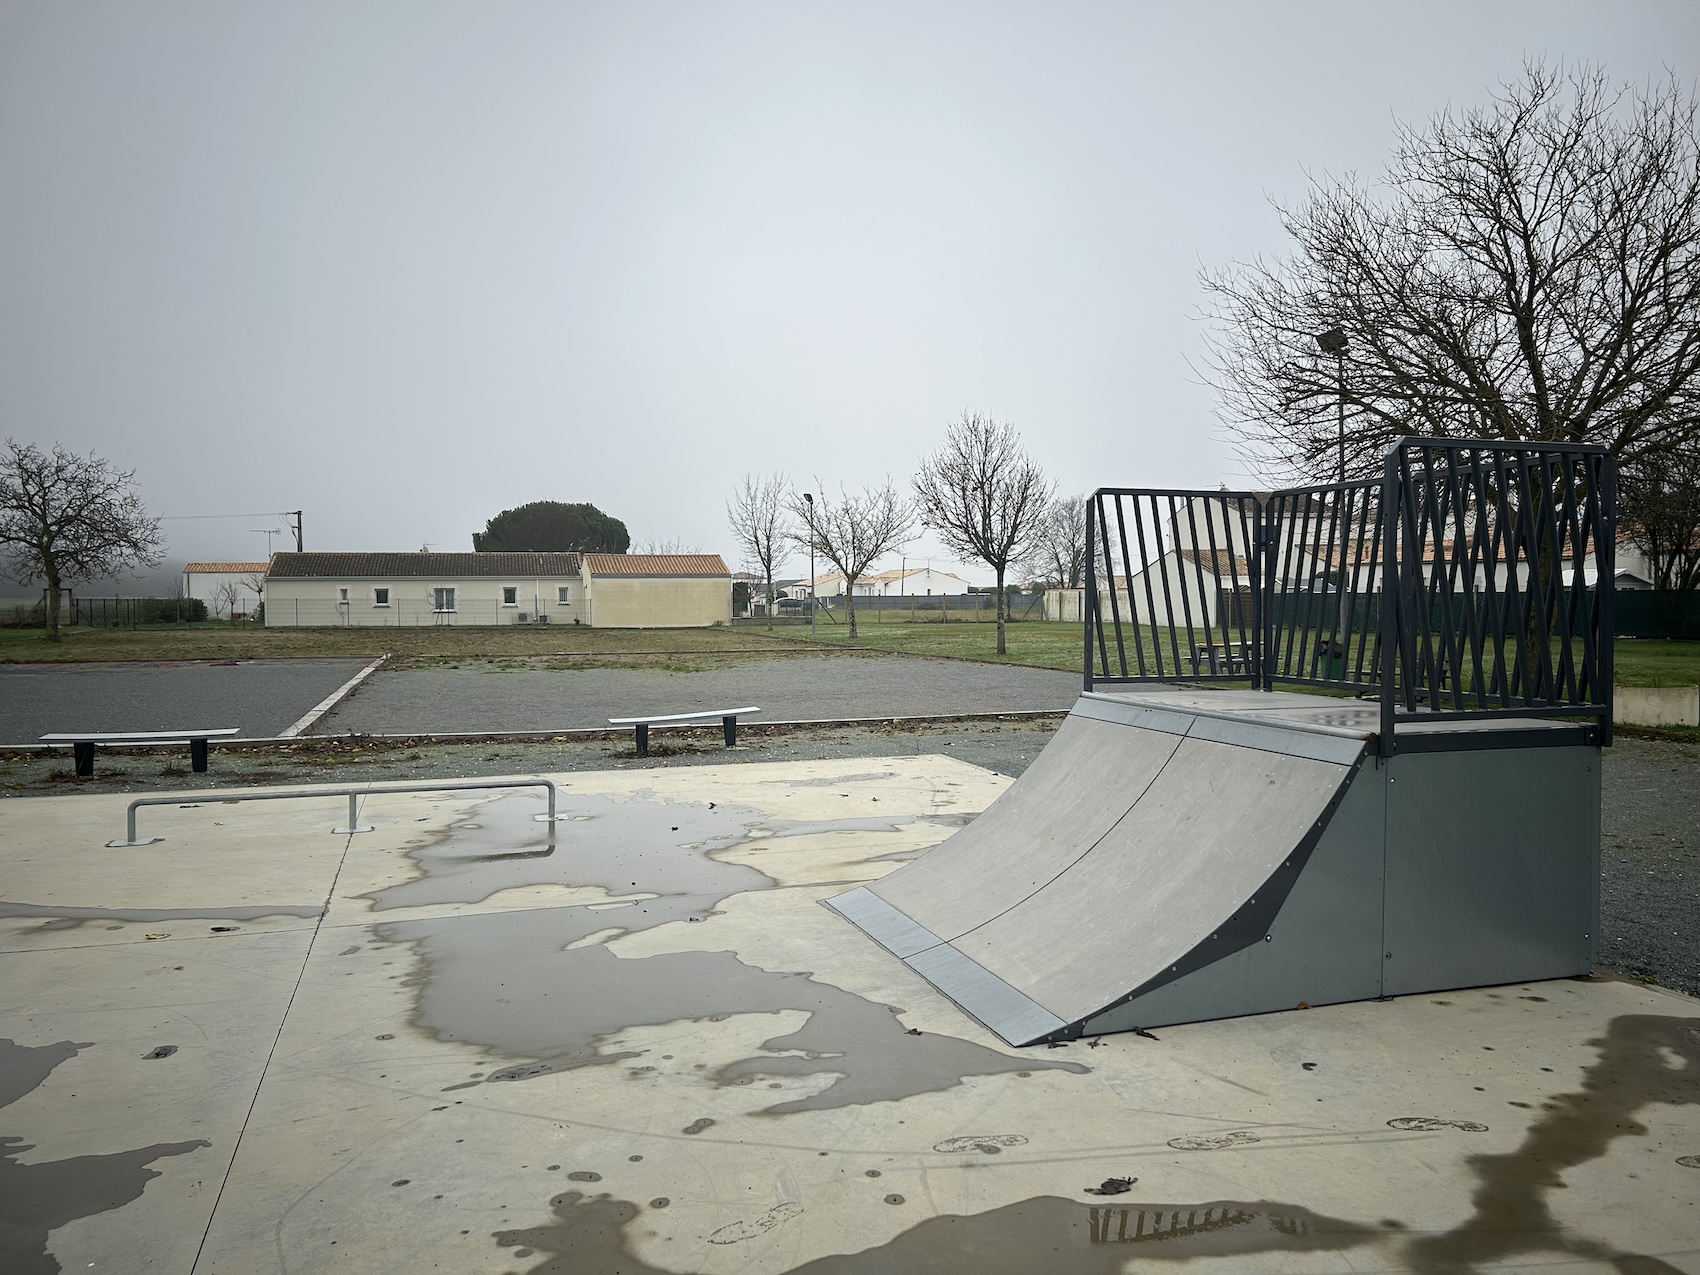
607,590
224,586
919,582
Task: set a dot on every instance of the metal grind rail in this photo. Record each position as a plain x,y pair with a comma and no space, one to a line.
353,795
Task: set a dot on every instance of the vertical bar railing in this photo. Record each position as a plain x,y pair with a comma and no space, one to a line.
1472,578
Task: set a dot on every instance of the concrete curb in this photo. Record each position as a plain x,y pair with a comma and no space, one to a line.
332,700
573,733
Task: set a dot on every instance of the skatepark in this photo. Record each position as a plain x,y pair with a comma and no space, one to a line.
1248,978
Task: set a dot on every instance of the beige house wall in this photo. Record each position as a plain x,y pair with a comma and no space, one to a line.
318,603
659,602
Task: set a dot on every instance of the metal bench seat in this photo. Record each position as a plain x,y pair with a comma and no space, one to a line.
83,742
728,723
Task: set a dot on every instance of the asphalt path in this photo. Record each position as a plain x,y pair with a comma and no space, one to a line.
499,698
262,698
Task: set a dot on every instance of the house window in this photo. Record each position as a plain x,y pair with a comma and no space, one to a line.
442,600
380,597
564,595
510,595
342,596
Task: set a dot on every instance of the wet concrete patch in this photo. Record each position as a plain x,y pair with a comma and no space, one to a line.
150,915
1049,1233
590,1236
510,981
39,1197
1644,1059
625,847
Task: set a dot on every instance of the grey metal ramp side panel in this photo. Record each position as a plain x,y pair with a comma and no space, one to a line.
1211,829
1492,860
1341,749
1085,780
1005,1009
882,923
1325,942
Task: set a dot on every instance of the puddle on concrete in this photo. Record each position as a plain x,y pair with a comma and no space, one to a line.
1047,1233
1644,1059
509,981
516,982
255,913
38,1198
627,847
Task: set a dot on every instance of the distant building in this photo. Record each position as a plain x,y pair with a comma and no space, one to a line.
607,590
224,586
910,582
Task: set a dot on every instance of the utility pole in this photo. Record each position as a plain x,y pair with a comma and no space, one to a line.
295,514
811,502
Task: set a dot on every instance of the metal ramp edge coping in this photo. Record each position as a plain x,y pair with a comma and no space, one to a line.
1017,1018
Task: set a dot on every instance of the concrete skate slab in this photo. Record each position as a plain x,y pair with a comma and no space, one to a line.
649,1049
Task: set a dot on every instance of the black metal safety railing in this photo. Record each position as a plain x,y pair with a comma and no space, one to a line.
1472,579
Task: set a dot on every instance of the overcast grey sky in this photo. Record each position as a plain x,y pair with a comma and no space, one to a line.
403,265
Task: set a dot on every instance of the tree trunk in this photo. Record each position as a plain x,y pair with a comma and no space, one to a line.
850,606
1001,648
52,633
770,599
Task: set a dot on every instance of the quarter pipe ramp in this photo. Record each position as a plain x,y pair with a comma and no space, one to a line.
1164,862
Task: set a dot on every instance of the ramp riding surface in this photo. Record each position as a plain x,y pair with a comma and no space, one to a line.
1168,861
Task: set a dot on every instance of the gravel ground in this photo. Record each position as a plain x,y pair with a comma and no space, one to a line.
261,697
1650,888
562,695
1650,862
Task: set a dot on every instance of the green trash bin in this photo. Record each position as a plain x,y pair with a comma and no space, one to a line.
1332,664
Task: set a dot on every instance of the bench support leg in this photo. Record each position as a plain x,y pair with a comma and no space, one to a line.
83,751
729,728
643,739
198,756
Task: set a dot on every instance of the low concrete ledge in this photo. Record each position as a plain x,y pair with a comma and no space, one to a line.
1656,705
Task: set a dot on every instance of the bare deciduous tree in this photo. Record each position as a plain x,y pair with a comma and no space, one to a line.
256,583
1058,556
984,496
673,545
1527,270
756,514
225,595
1659,512
65,517
852,532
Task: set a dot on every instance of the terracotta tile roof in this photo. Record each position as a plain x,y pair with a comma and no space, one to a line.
211,568
383,566
656,564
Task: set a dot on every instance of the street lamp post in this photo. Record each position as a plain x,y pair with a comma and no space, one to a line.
1333,342
811,502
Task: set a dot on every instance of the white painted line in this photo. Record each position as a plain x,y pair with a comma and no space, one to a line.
330,701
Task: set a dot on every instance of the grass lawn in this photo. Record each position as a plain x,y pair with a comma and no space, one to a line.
1035,642
421,645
